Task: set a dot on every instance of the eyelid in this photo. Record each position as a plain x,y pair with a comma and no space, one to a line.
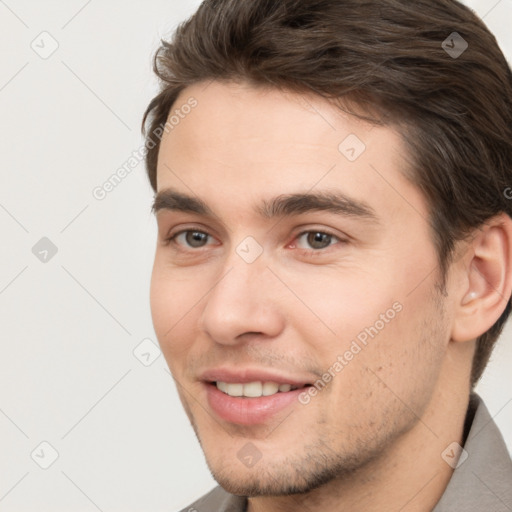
307,228
325,231
178,227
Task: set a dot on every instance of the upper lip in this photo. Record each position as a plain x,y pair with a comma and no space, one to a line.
244,376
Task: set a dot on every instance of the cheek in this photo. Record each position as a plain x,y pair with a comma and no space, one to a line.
159,301
405,357
371,321
337,307
172,307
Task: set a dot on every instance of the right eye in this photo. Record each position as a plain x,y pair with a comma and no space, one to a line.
189,238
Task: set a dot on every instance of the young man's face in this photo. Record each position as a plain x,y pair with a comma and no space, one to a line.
248,293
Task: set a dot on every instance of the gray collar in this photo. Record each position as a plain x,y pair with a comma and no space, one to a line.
484,481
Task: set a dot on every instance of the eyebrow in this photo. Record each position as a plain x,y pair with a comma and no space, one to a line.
285,205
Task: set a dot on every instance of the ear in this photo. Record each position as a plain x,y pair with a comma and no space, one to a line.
487,279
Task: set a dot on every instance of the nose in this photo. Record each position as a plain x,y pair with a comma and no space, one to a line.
242,303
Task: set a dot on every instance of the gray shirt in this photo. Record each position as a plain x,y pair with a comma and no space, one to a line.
482,483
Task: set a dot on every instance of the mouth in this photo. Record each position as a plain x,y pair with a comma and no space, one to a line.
251,403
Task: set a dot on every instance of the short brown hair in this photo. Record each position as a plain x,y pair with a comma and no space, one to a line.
386,57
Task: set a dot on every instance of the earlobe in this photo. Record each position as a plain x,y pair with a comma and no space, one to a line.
488,279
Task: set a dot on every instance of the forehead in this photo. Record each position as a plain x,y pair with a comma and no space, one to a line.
243,111
240,143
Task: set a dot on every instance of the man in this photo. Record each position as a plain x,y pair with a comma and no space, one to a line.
334,256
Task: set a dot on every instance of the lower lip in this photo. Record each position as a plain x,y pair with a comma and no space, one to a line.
249,411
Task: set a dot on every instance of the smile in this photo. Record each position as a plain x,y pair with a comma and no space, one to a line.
253,389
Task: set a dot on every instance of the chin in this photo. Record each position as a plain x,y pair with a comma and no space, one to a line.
252,485
290,476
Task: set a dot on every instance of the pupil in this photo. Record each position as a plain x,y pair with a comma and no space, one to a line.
195,238
315,240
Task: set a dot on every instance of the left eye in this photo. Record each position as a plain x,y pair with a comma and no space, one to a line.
317,239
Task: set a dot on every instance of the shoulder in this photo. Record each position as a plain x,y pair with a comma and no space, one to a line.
218,500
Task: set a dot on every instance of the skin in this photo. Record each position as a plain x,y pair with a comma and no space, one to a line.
372,438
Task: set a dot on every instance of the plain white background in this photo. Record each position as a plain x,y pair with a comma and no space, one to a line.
71,372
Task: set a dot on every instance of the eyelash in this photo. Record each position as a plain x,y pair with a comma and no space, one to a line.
172,240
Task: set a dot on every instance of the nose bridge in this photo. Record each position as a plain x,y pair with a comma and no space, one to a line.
244,267
239,301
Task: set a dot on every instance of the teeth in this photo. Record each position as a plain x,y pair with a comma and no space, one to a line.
270,388
253,389
235,389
